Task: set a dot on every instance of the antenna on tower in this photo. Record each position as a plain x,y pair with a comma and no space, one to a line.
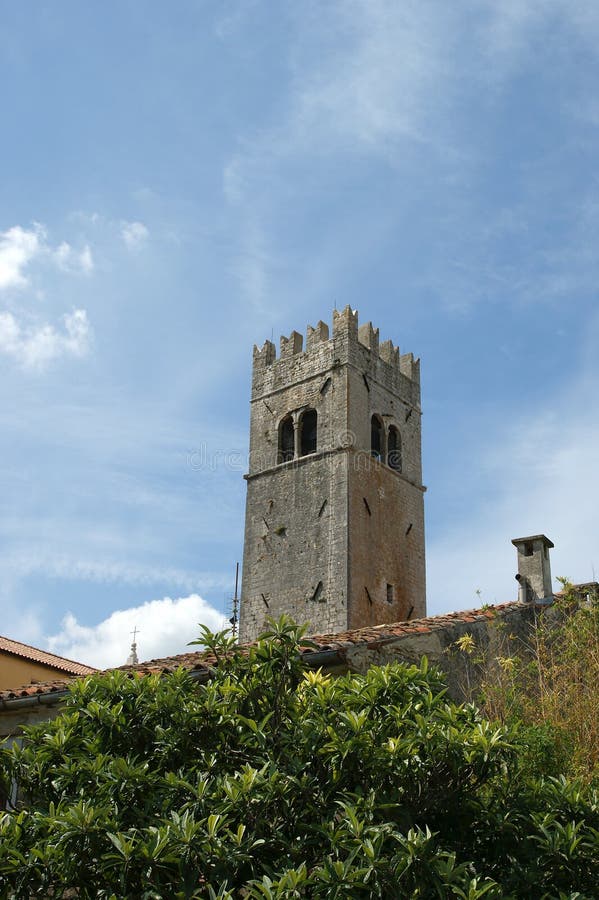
235,605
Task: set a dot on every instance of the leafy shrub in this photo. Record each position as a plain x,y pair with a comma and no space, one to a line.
274,782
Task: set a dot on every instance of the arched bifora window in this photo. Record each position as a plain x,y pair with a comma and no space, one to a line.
308,432
376,437
394,449
286,440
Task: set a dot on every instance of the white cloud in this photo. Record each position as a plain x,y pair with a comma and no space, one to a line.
69,260
33,347
134,234
18,247
33,344
383,84
384,74
165,627
63,255
86,261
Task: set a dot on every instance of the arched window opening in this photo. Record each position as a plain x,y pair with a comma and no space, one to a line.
376,437
394,449
308,434
286,440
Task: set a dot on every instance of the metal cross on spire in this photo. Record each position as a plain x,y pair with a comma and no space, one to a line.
132,659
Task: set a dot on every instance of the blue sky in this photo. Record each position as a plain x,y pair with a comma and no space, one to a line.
181,181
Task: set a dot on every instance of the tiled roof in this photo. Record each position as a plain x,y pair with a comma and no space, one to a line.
370,637
25,651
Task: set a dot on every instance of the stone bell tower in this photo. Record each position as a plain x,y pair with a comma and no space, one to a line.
334,528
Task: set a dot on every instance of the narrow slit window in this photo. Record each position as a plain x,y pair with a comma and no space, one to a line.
286,440
390,593
309,428
394,449
317,594
376,437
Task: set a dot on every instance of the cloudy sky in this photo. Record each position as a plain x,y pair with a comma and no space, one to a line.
180,181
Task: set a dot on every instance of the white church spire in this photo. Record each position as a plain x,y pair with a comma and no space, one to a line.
132,659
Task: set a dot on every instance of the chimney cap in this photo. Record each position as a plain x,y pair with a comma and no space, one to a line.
531,538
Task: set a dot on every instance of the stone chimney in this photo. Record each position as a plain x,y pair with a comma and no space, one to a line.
534,569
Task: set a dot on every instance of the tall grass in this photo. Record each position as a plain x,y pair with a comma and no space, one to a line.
553,683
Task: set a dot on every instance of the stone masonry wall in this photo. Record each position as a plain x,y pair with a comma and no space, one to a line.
387,580
386,545
501,631
295,554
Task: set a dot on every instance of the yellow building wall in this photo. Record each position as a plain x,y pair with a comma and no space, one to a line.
15,672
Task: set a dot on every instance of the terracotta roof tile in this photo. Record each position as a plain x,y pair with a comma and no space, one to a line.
25,651
31,690
371,637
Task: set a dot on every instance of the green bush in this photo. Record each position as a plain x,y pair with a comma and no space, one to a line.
274,782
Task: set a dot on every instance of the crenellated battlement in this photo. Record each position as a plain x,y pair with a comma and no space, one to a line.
345,322
292,345
409,366
369,336
317,335
345,331
389,353
264,356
